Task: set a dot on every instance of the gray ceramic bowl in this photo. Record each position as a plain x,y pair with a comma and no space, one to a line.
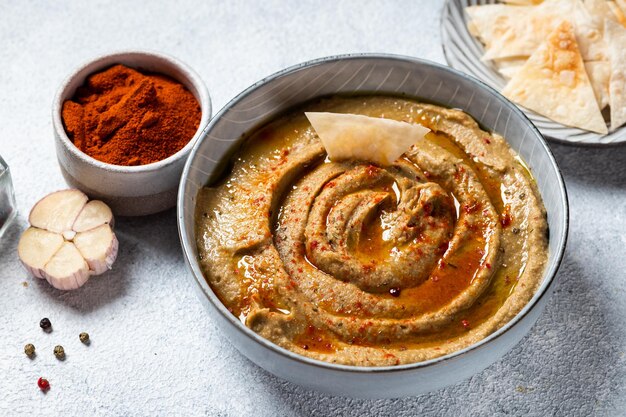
128,190
385,74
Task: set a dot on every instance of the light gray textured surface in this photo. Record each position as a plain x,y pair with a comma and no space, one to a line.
154,351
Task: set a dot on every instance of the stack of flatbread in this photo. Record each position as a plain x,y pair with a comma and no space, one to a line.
564,59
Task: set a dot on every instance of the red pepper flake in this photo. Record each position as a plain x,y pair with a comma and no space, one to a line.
43,384
471,208
488,265
285,152
371,170
505,218
465,324
330,184
427,174
487,141
314,244
428,208
300,270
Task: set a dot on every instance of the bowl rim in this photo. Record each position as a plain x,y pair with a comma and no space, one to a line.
198,277
106,60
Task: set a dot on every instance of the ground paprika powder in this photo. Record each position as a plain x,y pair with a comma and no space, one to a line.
123,116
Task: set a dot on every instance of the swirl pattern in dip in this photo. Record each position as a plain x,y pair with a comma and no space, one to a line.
359,264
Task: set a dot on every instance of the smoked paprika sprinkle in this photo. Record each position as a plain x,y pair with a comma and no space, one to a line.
124,116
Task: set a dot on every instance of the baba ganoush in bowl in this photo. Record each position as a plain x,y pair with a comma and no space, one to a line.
363,277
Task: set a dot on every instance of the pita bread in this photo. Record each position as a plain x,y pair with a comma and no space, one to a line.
615,36
527,30
524,2
510,31
600,9
491,21
599,73
589,34
553,82
509,66
354,136
617,12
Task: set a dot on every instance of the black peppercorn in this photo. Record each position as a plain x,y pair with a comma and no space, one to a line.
395,292
45,324
84,337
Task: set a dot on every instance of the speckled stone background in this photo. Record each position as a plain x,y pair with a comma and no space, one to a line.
154,351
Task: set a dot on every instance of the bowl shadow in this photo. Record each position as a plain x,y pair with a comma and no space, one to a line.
602,167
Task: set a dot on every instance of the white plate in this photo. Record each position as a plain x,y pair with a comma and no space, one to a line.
463,52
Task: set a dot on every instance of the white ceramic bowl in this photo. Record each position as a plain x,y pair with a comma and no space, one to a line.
128,190
385,74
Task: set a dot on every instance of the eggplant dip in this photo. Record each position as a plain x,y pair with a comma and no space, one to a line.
359,263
